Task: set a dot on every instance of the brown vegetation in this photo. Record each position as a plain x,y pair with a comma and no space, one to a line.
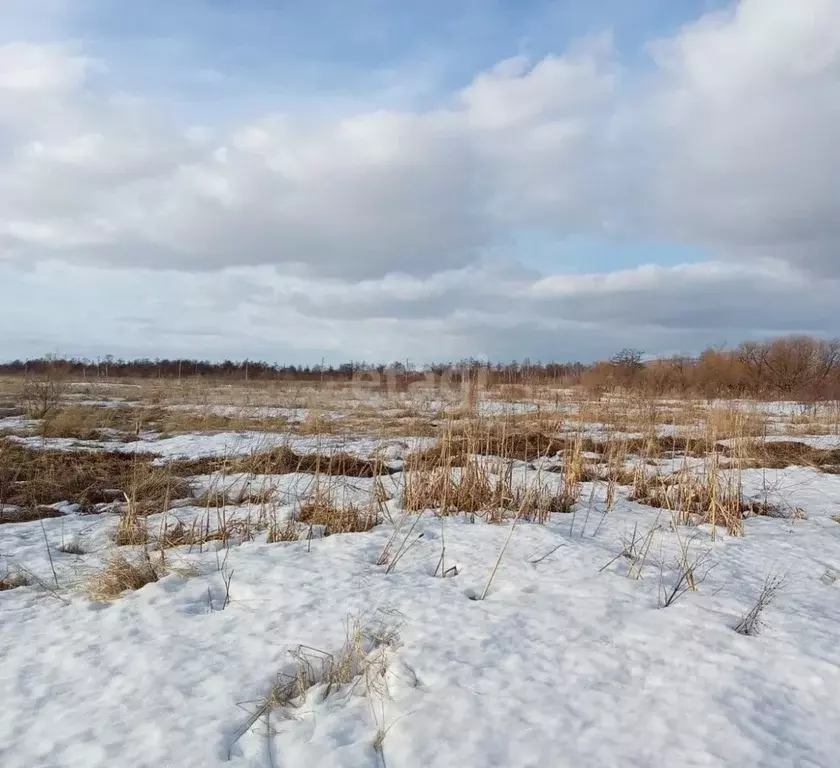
283,460
798,368
31,478
338,518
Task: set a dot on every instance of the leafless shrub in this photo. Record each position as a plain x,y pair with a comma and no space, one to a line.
43,394
635,549
751,622
691,570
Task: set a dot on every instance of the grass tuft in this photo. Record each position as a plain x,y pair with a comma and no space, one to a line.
121,575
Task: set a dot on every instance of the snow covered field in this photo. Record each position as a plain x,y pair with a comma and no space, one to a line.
606,637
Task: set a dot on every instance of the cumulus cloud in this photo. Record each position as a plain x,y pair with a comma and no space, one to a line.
743,115
361,196
379,229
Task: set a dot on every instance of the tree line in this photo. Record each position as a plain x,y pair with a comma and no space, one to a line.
800,368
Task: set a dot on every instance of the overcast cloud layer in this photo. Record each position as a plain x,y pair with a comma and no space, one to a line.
344,228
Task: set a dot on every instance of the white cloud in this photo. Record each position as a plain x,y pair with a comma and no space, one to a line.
371,231
744,116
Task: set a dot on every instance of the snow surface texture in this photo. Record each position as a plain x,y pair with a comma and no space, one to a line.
196,445
565,663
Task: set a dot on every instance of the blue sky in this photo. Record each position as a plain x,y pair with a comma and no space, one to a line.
458,178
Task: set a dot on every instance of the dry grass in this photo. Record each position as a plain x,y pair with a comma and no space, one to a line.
132,530
121,575
338,518
180,421
87,422
283,460
317,424
778,454
288,531
476,489
200,531
222,498
11,514
31,478
13,580
315,674
710,496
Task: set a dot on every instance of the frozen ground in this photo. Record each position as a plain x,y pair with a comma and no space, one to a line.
570,660
195,445
565,663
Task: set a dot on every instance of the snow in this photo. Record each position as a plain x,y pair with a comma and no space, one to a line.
254,411
571,660
194,445
17,424
565,663
826,442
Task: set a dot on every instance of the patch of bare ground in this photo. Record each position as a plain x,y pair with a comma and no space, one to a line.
32,478
283,460
91,422
785,453
13,514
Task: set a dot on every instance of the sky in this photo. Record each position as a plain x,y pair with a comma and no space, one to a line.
390,180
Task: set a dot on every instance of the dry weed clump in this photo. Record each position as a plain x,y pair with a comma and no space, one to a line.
288,531
338,518
31,478
283,460
132,529
13,580
712,496
475,489
88,422
222,498
121,575
362,661
72,547
751,622
178,421
779,454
